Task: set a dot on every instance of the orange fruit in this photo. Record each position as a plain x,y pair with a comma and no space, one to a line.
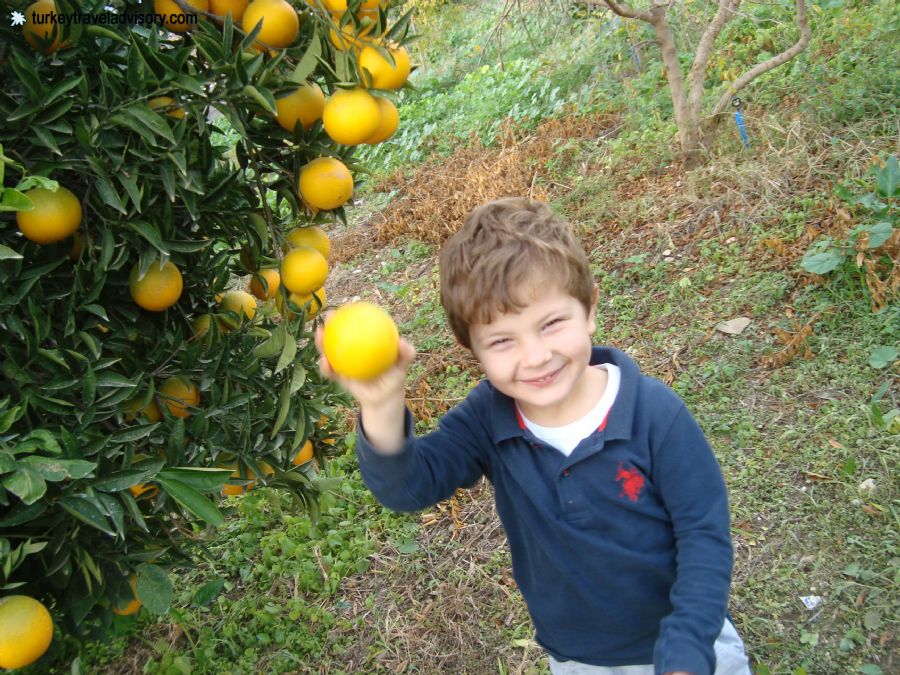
230,489
273,281
390,120
141,489
377,72
340,6
55,216
167,105
305,105
351,116
312,236
325,183
303,270
26,631
312,307
241,303
38,35
304,455
360,341
201,325
349,36
224,7
132,605
159,288
178,394
175,18
77,246
280,23
132,409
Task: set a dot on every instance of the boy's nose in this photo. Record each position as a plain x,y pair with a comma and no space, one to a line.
535,353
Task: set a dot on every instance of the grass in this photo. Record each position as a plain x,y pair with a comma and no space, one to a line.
810,464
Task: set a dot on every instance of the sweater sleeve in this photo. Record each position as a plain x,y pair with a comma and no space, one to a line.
430,468
693,491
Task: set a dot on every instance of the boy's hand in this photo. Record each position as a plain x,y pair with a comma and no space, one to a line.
382,401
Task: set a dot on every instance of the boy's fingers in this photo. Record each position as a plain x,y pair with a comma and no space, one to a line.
318,337
406,353
326,369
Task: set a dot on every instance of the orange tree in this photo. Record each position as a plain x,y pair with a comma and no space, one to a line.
143,174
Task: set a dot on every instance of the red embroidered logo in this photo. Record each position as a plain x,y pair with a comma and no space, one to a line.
632,482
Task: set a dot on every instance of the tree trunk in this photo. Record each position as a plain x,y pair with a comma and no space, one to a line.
685,117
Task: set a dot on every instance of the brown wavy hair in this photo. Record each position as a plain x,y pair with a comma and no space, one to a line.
505,251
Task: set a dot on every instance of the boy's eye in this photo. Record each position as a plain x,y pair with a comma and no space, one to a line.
552,322
498,342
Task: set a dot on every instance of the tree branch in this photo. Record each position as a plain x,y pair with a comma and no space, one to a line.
766,66
725,13
628,12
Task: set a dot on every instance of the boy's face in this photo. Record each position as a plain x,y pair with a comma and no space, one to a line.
539,356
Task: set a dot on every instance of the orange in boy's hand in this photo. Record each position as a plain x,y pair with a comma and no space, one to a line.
360,341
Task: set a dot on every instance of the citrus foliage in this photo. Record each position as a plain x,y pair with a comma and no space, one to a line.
137,377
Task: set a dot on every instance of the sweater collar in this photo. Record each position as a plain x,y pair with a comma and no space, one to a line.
505,422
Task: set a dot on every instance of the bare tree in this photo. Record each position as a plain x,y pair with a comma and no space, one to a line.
687,97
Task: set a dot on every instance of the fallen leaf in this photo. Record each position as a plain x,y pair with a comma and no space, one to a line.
734,326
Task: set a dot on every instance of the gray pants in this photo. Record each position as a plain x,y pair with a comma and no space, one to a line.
730,660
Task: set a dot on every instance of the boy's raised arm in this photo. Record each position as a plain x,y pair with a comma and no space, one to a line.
382,402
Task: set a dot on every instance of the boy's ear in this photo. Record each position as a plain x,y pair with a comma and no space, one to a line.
596,295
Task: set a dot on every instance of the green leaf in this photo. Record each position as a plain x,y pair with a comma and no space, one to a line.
298,378
273,345
6,253
262,96
878,233
8,463
26,484
154,588
122,480
887,179
284,405
39,439
872,619
152,120
193,501
190,84
7,418
55,470
822,263
86,511
203,480
115,380
208,592
46,139
150,233
134,433
871,669
308,62
13,200
109,195
288,352
882,356
101,32
62,88
22,514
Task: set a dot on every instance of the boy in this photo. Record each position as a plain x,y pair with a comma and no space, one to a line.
612,501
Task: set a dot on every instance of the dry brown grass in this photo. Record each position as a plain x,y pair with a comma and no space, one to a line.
432,203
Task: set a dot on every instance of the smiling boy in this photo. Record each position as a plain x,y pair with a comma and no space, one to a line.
611,499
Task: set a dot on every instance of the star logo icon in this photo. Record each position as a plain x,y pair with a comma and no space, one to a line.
16,19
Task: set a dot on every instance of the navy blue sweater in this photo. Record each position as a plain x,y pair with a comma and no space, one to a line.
622,550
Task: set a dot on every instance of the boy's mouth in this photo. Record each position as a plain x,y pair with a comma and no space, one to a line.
544,380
